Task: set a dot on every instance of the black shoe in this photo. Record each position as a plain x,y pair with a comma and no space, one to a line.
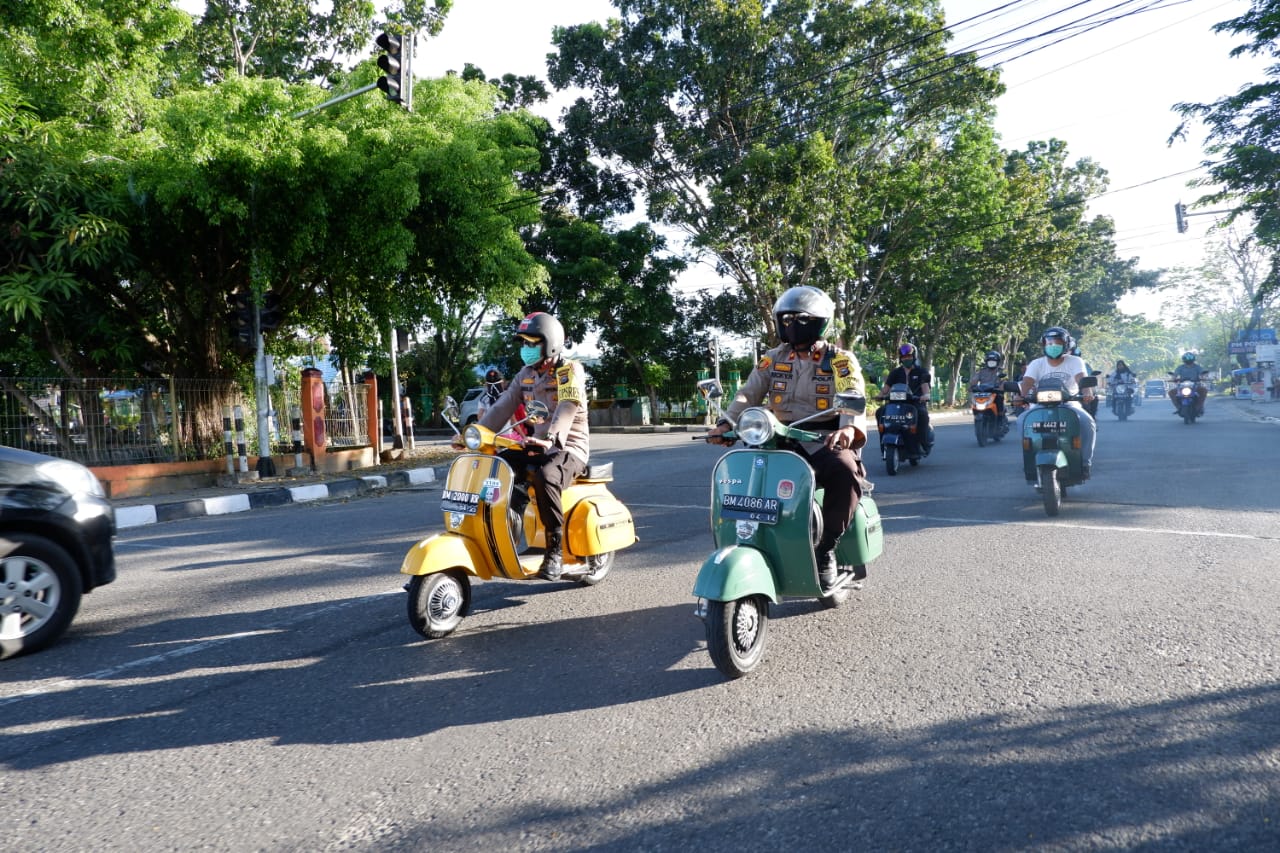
827,572
1086,472
860,573
552,560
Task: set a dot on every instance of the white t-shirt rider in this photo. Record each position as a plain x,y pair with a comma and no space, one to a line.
1071,367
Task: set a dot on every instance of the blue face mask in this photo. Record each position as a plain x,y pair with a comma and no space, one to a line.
531,354
1053,350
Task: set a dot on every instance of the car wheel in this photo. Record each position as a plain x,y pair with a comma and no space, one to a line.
40,591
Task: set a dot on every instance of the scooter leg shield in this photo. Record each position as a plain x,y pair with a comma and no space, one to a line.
444,551
735,572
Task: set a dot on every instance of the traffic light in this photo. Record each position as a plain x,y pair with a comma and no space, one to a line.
713,348
397,79
1180,213
242,310
272,314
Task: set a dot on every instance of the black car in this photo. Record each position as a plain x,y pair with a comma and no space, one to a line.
56,528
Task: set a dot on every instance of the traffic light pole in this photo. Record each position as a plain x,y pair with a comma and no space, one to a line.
266,465
337,100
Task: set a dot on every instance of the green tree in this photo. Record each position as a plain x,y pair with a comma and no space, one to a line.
733,119
1244,135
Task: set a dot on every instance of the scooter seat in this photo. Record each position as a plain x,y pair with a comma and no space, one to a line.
598,471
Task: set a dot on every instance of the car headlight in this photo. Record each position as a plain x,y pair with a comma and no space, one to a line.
472,438
755,427
71,476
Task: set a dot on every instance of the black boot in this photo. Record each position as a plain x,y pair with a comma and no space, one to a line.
826,566
552,560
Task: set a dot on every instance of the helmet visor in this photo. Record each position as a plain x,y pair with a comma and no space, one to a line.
788,318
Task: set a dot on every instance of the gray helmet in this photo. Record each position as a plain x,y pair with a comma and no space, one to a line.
804,299
542,325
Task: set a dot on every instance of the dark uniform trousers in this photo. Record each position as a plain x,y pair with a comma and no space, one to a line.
840,473
549,473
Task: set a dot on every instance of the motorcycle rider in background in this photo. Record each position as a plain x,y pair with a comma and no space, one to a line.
1188,371
917,379
797,379
494,385
1058,363
989,374
558,450
1122,375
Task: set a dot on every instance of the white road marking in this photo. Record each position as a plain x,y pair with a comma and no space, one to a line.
1112,528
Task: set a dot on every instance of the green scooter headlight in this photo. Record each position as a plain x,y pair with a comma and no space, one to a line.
755,427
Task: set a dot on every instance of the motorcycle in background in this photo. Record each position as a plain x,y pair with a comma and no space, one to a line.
1187,394
493,531
1121,398
900,439
766,518
1052,457
988,422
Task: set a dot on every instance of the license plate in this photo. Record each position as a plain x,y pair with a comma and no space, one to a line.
454,500
751,508
1049,426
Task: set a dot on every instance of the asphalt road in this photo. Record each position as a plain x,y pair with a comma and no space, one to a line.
1104,680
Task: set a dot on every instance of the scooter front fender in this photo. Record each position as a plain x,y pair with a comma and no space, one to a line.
735,572
445,551
1056,458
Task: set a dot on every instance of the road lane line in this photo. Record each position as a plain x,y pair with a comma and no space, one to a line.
1105,528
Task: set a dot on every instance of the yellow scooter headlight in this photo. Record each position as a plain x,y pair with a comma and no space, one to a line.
473,438
755,427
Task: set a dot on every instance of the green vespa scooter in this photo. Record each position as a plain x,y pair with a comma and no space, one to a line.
766,518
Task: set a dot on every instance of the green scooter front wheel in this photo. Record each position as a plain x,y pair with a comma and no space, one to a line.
736,633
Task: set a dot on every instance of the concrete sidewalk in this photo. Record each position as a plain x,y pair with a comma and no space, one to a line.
194,503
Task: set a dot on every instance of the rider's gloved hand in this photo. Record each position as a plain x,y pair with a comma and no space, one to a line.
721,427
845,438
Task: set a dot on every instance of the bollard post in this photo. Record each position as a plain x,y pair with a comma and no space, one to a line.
295,416
226,439
240,448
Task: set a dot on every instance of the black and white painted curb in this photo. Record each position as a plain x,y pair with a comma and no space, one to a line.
133,516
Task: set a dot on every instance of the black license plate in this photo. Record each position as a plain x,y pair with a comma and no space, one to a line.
750,508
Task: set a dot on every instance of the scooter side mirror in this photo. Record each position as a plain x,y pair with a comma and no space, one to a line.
450,411
1089,382
1012,387
850,403
536,411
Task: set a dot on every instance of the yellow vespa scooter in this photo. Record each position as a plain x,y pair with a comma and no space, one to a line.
486,538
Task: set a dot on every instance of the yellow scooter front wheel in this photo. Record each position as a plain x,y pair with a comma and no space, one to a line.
438,601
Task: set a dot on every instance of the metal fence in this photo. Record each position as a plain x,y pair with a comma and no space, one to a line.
124,421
